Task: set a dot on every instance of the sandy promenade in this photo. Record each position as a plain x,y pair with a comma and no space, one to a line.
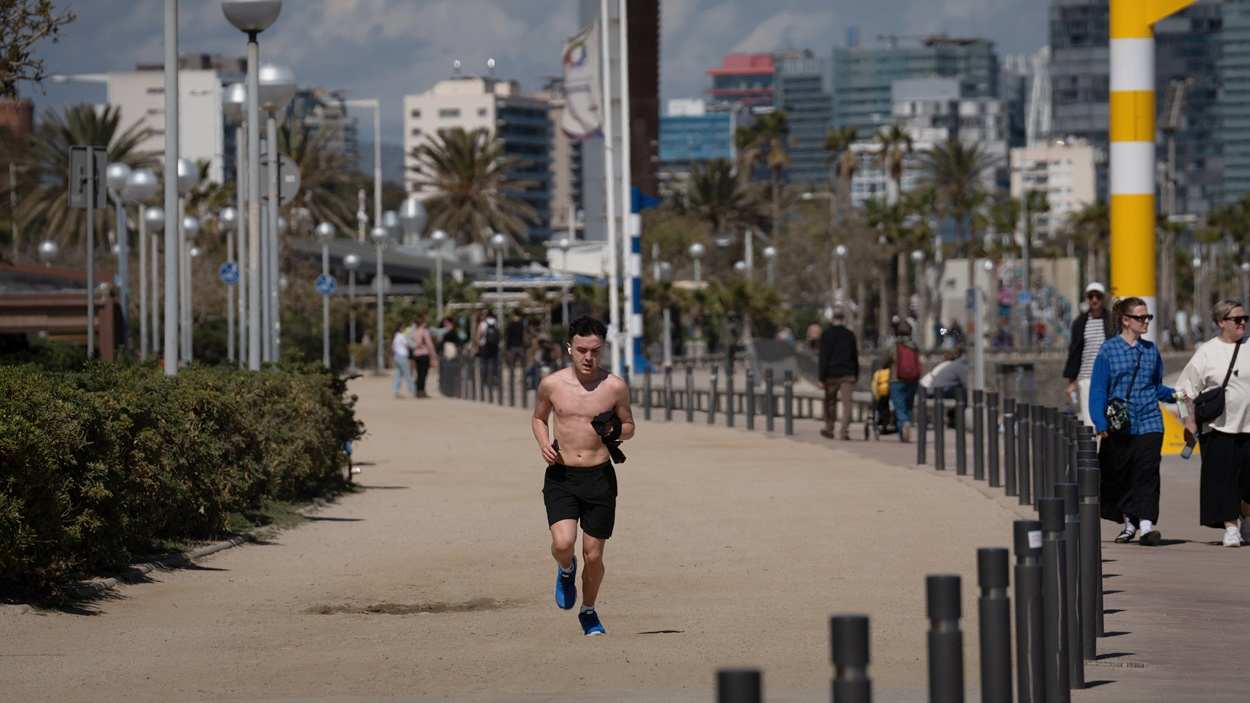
434,583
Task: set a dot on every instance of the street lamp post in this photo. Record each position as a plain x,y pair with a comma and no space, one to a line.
234,106
1245,282
770,255
438,236
982,336
228,218
351,262
154,219
413,218
697,250
917,258
277,87
375,105
325,233
839,286
379,235
170,87
498,242
48,250
116,176
564,245
140,187
190,228
251,17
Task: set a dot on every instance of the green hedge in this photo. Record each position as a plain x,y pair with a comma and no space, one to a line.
98,464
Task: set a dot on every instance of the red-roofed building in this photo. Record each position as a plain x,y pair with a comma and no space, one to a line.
743,78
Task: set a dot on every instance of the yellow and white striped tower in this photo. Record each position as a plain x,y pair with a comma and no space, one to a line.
1133,144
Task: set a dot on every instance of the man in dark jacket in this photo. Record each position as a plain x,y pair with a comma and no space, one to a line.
1089,330
839,370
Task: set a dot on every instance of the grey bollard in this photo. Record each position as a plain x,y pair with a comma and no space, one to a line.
922,425
788,389
994,615
646,395
714,397
729,396
1009,447
1091,560
525,390
939,432
961,432
978,435
1024,453
499,384
1073,447
946,641
849,642
1072,557
991,435
689,393
739,686
770,401
1054,602
750,409
1041,454
1028,547
668,393
511,386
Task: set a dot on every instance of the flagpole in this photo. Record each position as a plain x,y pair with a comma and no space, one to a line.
627,216
609,171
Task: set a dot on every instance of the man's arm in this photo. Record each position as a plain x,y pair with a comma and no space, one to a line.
538,422
1076,346
623,412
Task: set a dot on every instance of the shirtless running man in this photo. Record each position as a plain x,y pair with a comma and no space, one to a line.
592,416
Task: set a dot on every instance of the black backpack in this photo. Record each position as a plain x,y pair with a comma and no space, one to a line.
492,337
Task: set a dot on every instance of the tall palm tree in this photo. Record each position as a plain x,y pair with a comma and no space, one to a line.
327,190
717,197
894,145
46,202
838,143
473,193
955,171
767,140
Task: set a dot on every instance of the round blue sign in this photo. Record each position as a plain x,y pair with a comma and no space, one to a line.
1024,297
326,284
228,273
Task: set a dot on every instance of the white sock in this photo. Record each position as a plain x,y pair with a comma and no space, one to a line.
587,608
1147,527
1128,525
564,570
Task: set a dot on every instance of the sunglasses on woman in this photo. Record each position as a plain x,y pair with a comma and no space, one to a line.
1238,320
1141,318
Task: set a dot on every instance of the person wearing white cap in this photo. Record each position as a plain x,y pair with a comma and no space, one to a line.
1089,330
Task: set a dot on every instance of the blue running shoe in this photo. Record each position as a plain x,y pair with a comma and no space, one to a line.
566,587
590,623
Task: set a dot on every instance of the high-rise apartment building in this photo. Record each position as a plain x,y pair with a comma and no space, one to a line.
140,96
566,164
862,77
520,122
1064,171
690,135
1234,100
799,89
746,80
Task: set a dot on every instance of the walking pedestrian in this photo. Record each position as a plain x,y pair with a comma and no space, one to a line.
1221,422
839,370
514,340
906,368
1089,330
1126,387
400,354
488,351
423,353
592,417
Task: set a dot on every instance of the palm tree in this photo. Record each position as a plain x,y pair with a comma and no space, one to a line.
894,145
767,139
956,172
327,190
838,143
473,193
47,163
717,197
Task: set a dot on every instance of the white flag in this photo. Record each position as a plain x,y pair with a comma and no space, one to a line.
583,105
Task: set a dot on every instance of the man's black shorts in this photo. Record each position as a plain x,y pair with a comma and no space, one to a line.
585,494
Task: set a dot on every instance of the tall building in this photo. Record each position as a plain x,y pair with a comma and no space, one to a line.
1064,171
140,95
519,121
690,135
743,79
799,89
1234,100
862,77
318,109
566,164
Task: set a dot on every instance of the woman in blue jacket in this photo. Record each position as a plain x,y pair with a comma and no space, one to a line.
1128,376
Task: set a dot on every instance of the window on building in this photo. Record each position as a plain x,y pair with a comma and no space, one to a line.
481,112
416,114
449,112
416,131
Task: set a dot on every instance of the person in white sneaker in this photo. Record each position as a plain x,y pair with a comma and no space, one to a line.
1224,487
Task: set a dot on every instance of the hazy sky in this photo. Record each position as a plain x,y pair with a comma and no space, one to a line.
392,48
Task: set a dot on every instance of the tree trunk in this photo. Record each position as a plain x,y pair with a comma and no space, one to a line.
904,285
883,302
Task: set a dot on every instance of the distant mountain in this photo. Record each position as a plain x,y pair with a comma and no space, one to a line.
392,160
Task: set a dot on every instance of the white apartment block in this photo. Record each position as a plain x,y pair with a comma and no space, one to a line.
472,102
1062,170
201,124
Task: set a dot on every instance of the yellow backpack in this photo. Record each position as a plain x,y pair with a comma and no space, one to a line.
881,383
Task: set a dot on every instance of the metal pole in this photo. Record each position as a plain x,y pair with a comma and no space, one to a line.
171,187
946,641
961,432
240,233
1054,602
92,185
1091,559
351,311
1024,427
377,161
689,393
994,615
1009,447
253,203
714,398
184,297
991,429
939,431
729,393
155,284
438,285
849,642
646,395
271,131
1029,643
512,387
978,435
143,285
381,312
499,285
668,393
922,425
750,399
325,309
1072,588
610,191
123,267
788,386
739,686
770,401
230,301
266,311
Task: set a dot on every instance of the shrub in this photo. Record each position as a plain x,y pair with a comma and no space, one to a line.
101,462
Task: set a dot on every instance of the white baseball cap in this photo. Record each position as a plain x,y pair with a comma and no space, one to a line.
1096,287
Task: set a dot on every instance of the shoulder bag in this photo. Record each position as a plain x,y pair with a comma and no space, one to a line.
1117,408
1209,404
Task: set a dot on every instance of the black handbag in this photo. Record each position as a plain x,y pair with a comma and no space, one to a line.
1116,411
1210,403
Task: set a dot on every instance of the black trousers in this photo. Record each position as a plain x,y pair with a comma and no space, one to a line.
423,370
1130,476
1225,481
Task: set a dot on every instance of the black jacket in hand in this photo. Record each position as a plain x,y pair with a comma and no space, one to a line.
608,426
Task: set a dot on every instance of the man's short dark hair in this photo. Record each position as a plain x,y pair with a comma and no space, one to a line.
587,327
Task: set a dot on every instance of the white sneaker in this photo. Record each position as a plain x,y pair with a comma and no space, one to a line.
1232,536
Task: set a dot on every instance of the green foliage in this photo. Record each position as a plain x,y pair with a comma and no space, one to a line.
25,24
105,461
